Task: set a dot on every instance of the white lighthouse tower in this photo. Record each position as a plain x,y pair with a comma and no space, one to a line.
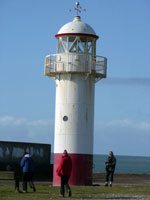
75,68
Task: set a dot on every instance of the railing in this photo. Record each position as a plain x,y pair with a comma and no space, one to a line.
75,63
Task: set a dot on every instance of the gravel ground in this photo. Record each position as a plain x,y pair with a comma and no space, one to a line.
123,179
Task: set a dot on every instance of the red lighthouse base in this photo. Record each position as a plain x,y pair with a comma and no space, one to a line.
82,165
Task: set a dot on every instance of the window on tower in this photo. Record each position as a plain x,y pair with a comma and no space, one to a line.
77,44
82,45
71,40
62,45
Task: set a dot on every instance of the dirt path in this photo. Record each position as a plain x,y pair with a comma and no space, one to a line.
99,178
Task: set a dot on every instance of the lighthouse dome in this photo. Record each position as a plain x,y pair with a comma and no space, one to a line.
76,27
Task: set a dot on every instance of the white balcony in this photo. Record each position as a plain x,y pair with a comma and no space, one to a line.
75,63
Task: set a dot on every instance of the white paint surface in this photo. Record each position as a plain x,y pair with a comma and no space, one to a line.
77,26
74,99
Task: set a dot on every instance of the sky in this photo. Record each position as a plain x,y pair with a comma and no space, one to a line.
122,100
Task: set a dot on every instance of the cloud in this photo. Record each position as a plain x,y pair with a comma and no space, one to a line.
145,125
124,137
26,130
125,123
130,124
121,123
127,81
7,120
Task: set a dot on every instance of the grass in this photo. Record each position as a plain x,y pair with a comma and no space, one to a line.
45,192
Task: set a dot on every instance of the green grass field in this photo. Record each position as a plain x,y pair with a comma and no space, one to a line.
48,193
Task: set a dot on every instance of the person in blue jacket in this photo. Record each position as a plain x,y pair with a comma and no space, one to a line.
27,169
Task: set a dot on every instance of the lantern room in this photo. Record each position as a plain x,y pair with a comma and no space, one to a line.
76,37
76,44
76,52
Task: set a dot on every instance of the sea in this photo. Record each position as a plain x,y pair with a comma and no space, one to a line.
125,164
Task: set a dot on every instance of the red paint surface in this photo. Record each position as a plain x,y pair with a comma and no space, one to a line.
76,34
82,165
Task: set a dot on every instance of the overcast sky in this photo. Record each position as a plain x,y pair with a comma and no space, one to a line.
122,101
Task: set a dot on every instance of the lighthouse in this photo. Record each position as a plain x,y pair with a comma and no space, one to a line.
75,69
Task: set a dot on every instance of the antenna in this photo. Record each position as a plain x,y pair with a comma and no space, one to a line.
78,9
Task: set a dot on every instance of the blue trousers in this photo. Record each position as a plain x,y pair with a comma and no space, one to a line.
27,177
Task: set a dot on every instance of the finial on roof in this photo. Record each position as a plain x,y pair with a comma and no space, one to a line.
78,9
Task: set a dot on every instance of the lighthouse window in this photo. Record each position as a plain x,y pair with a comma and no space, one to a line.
62,45
80,44
94,46
65,118
81,47
61,48
74,47
90,47
73,44
71,41
64,42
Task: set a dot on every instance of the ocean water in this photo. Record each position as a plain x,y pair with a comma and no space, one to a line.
125,164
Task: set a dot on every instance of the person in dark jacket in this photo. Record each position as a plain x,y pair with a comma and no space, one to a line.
110,168
27,168
16,175
64,171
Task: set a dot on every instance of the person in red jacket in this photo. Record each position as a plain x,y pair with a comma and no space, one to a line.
64,171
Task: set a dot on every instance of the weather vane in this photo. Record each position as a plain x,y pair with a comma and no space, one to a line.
78,9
